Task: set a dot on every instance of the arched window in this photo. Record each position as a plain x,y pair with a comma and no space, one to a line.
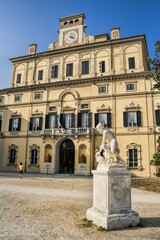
12,154
34,155
134,156
71,22
65,23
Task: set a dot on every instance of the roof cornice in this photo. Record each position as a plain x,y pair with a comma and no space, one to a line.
78,48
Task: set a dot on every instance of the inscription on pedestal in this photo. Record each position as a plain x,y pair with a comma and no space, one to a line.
120,200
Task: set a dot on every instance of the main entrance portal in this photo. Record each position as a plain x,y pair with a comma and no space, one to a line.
66,157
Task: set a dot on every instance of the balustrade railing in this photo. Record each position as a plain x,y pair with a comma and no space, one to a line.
70,131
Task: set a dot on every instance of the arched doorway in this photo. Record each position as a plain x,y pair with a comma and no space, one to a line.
66,157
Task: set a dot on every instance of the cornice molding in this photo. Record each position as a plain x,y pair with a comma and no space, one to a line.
78,48
77,82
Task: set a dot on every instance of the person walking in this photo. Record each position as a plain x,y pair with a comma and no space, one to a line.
20,169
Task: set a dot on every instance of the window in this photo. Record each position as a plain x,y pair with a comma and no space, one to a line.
17,98
40,75
52,109
85,105
131,62
38,96
69,70
51,121
84,119
102,89
67,120
54,73
157,112
14,124
103,118
12,157
85,67
130,86
133,157
12,154
34,155
132,118
18,80
35,123
102,66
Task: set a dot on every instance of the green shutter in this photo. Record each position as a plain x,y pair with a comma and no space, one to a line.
96,117
79,120
47,122
10,124
109,120
19,124
125,119
157,117
138,118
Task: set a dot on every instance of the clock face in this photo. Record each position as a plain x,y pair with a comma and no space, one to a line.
70,37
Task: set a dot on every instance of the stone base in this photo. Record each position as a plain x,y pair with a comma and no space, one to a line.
112,221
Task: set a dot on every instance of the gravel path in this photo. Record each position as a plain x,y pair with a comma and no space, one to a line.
49,208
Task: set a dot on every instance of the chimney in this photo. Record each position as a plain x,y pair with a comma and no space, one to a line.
32,48
115,33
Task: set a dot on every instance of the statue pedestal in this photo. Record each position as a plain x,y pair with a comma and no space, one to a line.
112,199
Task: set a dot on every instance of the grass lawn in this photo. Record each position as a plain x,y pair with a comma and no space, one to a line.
148,184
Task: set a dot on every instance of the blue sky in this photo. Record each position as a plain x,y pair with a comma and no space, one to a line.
23,22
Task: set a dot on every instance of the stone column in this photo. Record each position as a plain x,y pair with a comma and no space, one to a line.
112,199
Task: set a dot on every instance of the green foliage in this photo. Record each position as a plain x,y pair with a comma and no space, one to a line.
155,67
101,229
87,223
156,158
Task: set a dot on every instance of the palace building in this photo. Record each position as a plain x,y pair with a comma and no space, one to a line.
78,81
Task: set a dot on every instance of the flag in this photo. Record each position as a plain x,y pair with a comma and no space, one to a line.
60,126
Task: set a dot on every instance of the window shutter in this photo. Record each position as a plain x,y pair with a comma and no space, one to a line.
40,123
89,119
72,121
10,124
125,119
138,118
19,124
56,120
31,124
157,117
47,122
96,116
79,120
62,120
109,120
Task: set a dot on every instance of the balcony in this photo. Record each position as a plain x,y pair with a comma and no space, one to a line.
67,132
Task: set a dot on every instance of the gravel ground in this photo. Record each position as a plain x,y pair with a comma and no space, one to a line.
54,207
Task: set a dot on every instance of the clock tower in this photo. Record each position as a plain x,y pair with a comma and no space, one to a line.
71,30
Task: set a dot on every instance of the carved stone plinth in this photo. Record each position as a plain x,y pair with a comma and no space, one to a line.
112,199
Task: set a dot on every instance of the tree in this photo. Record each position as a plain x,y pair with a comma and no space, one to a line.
155,67
156,158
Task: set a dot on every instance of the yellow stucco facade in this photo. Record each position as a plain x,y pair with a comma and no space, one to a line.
79,81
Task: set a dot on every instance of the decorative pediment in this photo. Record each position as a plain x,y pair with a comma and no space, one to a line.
67,108
37,112
103,107
15,114
133,106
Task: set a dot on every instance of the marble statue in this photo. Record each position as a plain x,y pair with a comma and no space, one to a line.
109,151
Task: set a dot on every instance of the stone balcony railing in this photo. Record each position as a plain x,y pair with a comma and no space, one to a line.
69,131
